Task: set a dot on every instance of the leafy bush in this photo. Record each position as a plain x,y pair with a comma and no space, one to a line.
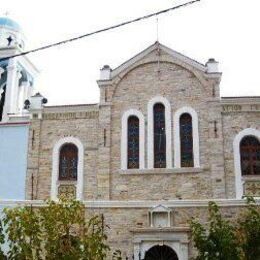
58,231
218,242
249,231
223,240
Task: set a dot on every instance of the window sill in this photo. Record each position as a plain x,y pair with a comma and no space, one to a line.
66,181
156,171
251,177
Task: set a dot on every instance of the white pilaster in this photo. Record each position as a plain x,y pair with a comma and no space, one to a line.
10,88
23,94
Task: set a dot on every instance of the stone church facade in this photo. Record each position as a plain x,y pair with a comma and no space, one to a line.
157,147
146,196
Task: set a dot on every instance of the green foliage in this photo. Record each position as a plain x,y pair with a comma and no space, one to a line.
61,223
2,240
24,233
224,240
218,242
249,231
58,231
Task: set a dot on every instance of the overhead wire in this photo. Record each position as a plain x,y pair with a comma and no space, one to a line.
99,31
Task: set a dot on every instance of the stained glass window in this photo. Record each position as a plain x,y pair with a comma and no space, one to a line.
250,155
159,136
68,167
186,140
133,143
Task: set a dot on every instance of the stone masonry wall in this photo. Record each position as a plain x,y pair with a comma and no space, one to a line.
182,87
233,123
58,123
124,222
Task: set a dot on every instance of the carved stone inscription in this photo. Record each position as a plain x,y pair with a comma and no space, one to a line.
232,108
238,108
71,115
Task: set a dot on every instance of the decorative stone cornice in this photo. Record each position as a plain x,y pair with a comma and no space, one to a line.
146,204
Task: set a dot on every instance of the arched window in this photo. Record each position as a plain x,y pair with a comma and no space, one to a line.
159,136
250,155
68,162
186,140
2,101
133,142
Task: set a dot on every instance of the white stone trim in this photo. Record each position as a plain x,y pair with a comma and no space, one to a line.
55,166
176,56
124,137
150,145
161,171
195,134
237,162
140,204
178,241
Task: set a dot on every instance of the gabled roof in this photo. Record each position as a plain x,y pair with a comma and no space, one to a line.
176,55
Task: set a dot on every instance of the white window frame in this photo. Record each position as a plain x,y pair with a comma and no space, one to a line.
55,167
124,137
195,136
150,143
237,160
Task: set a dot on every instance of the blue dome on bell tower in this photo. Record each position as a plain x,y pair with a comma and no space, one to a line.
11,34
10,24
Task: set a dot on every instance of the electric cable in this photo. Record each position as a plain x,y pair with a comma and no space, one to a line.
100,30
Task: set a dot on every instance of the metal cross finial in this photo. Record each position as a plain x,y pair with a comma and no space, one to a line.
6,13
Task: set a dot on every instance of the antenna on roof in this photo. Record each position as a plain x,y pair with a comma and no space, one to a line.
157,29
158,47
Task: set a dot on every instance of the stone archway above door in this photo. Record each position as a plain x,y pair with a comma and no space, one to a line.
175,238
161,252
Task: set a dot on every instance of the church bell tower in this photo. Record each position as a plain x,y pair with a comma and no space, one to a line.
17,74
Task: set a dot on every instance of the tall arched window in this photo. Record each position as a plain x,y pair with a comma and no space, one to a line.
2,101
133,142
186,140
250,155
68,162
159,136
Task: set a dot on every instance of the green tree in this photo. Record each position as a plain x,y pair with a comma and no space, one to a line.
23,233
249,231
2,240
58,231
218,241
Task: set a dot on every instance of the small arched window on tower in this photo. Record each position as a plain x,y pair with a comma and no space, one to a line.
159,136
250,155
68,163
133,142
186,140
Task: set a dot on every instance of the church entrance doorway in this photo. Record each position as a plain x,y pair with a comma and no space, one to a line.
161,253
